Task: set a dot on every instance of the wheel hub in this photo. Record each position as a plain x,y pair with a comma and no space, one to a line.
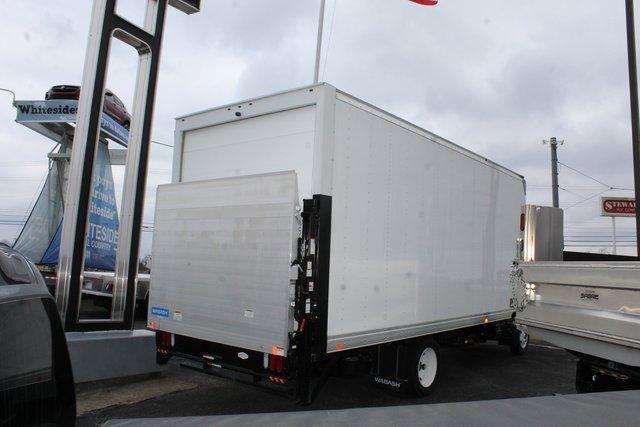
524,339
427,367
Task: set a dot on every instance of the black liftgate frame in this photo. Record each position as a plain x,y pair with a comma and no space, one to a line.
312,293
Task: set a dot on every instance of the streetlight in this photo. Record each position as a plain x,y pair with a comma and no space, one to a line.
12,94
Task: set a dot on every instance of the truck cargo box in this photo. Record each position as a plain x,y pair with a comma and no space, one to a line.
413,234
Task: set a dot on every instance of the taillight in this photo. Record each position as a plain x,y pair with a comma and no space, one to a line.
522,221
164,339
276,363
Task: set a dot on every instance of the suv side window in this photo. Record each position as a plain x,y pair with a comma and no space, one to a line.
117,101
14,270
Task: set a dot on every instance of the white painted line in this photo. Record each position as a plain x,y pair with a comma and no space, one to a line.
546,346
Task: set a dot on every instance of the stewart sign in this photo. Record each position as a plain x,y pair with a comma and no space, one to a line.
618,206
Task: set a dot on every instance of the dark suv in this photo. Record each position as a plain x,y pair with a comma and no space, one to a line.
113,106
36,381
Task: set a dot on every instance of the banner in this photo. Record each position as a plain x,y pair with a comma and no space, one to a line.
102,235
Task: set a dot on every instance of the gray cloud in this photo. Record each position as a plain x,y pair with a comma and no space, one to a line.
495,76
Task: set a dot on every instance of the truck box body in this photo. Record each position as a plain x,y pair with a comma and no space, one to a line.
422,231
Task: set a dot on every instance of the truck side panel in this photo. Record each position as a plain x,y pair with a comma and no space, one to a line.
423,235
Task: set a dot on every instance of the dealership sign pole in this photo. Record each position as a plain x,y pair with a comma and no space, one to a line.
105,25
615,207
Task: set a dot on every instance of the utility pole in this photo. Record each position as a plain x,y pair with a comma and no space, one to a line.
555,187
635,110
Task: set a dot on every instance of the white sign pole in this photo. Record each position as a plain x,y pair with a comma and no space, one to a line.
615,242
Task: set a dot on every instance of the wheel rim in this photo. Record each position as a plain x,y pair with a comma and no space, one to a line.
524,339
427,367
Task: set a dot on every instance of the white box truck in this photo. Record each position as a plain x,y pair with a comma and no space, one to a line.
309,228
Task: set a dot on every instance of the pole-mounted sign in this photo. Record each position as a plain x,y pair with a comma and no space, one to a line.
618,206
615,207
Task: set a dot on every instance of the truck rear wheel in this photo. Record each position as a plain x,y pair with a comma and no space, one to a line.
423,367
520,342
584,380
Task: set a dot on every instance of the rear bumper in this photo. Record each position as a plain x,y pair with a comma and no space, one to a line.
97,294
606,375
214,356
106,295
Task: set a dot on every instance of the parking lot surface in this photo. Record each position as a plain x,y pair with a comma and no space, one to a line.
479,372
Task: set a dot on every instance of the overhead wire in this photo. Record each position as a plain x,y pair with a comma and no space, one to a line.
162,143
571,192
610,187
587,199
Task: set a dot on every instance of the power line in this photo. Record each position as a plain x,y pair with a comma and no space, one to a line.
584,174
162,143
20,164
326,55
610,187
599,246
587,199
571,192
570,187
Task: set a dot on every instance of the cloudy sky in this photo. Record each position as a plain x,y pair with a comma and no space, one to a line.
495,76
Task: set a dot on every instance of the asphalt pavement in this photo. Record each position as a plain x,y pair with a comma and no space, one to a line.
479,372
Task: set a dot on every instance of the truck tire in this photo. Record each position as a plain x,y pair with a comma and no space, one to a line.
422,366
584,382
352,367
143,307
519,343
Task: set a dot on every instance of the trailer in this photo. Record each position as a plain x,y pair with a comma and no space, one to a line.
309,231
592,309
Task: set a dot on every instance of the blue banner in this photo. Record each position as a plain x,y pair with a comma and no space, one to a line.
102,236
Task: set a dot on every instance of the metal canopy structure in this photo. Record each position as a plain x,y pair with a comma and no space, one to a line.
106,24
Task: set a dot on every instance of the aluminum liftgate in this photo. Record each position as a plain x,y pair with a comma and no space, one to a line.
147,41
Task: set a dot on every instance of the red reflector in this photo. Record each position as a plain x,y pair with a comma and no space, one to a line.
522,221
165,339
276,363
272,363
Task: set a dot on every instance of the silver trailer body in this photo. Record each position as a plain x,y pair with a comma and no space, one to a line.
423,231
592,308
